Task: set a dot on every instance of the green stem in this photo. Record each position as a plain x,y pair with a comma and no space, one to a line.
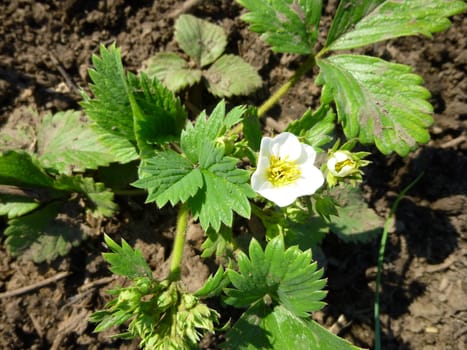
382,248
179,243
274,98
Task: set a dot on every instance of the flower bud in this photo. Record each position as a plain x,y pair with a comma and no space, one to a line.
342,164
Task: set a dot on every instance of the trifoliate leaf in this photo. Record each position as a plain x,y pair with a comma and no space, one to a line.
378,101
277,329
279,276
358,24
13,206
355,222
316,128
169,177
172,71
208,129
67,144
288,26
19,168
202,41
159,115
226,189
126,261
99,200
110,108
231,75
44,234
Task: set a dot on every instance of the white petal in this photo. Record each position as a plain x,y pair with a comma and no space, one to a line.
308,155
286,145
310,180
282,196
265,147
259,176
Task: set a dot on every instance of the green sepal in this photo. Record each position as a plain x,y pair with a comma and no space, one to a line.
126,261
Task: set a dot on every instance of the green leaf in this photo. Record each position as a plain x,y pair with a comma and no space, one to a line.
356,222
286,25
159,115
19,168
172,71
202,41
277,329
231,75
278,275
169,177
304,229
226,190
125,261
99,200
214,285
110,108
378,101
208,129
252,129
13,206
122,149
67,144
357,24
218,243
44,234
316,128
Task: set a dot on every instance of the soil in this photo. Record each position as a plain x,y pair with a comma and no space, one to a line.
45,51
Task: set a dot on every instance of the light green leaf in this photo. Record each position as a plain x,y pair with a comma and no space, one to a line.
98,199
123,150
66,143
159,116
226,190
125,261
278,275
202,41
13,206
44,234
378,101
110,108
169,177
356,222
220,243
357,24
19,168
231,75
172,71
286,25
208,129
277,329
214,285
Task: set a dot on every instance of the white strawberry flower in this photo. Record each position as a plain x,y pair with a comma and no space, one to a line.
286,170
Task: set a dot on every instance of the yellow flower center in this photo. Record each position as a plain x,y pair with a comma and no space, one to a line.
340,165
282,171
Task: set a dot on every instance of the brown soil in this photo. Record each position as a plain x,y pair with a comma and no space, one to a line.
45,51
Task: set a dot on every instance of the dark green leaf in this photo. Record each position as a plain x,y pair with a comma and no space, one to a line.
110,108
252,129
19,168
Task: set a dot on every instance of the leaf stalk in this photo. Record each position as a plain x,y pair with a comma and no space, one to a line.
179,243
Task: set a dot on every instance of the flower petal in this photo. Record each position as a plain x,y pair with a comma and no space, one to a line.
286,145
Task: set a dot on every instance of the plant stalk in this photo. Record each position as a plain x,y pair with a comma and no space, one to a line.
382,248
179,243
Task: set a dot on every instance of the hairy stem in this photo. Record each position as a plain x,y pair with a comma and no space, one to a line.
179,243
